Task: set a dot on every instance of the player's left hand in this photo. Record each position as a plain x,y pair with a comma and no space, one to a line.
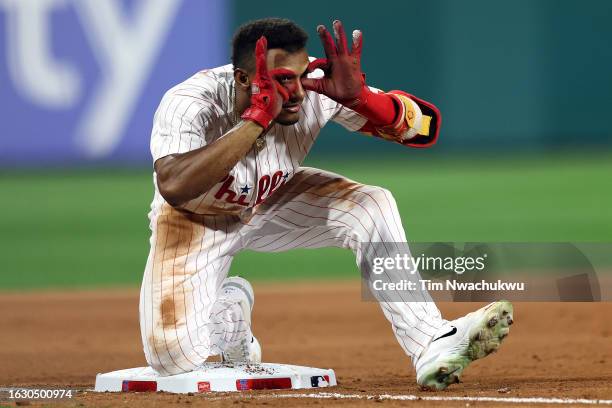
343,80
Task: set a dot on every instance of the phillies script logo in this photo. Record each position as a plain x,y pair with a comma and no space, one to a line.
265,187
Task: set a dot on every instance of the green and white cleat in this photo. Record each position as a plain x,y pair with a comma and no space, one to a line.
461,341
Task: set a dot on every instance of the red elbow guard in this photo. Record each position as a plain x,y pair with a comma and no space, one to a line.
417,123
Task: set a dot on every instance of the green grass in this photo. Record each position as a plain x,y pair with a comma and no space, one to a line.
89,227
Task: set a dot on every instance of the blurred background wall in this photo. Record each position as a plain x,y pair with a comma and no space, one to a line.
519,75
82,78
525,153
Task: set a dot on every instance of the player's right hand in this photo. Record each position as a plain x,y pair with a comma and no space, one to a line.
267,94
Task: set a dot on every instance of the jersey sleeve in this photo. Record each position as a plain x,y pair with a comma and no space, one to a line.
181,124
348,118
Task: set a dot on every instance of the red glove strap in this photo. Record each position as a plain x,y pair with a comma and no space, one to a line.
261,117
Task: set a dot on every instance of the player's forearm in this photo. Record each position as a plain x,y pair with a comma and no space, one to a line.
379,108
183,177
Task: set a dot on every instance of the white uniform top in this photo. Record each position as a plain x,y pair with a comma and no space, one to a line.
199,111
184,315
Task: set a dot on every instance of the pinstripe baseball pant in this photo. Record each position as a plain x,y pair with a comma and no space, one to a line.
183,317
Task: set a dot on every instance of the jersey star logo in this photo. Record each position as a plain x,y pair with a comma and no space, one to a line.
245,189
286,175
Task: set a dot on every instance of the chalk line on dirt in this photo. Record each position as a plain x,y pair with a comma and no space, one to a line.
411,397
507,400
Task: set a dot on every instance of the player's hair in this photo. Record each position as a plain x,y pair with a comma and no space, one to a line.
280,33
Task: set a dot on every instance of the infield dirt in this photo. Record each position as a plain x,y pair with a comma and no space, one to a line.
62,339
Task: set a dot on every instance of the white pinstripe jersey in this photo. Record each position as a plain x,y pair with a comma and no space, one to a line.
199,111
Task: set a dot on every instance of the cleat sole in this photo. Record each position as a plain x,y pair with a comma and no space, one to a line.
485,337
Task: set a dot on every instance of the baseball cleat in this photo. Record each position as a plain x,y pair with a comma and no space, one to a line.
461,341
249,349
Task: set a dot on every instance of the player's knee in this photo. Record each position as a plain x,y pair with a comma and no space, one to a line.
379,201
157,365
155,350
170,354
381,217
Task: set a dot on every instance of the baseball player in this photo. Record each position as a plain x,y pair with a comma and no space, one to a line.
228,146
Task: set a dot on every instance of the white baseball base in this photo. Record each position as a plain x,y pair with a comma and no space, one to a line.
217,377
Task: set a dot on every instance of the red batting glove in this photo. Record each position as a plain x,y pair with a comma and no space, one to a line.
267,94
344,82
